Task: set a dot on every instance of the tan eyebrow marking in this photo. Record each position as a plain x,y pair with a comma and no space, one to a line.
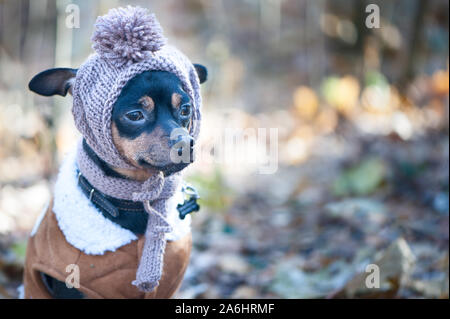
176,100
147,103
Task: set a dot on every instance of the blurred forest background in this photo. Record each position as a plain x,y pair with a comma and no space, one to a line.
363,126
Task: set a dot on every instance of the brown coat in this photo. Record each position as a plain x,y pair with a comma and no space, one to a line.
101,276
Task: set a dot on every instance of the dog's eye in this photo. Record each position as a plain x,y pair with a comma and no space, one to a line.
185,110
135,116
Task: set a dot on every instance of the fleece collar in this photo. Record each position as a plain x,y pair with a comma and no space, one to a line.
86,228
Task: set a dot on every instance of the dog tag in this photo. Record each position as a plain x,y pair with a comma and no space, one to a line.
190,204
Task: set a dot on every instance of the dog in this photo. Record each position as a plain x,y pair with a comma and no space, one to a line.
91,247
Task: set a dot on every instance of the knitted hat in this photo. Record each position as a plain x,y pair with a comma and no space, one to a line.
127,41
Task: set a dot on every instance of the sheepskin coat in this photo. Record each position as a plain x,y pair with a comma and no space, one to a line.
71,231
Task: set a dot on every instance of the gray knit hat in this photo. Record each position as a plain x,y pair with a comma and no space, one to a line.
127,41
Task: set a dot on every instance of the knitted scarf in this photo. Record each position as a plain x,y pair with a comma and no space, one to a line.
153,193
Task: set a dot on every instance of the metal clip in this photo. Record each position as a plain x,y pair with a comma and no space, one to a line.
190,191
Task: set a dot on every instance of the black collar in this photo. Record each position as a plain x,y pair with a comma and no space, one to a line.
128,214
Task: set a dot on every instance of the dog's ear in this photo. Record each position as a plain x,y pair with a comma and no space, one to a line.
202,72
53,81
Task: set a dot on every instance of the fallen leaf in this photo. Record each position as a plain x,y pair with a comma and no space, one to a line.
394,265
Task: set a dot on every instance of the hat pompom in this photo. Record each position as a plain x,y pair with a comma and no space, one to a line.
127,35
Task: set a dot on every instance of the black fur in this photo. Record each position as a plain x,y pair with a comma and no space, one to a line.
202,72
58,289
52,81
159,85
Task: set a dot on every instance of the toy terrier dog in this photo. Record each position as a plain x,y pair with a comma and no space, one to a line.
89,243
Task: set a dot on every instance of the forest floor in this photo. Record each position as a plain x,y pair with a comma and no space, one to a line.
310,230
303,234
